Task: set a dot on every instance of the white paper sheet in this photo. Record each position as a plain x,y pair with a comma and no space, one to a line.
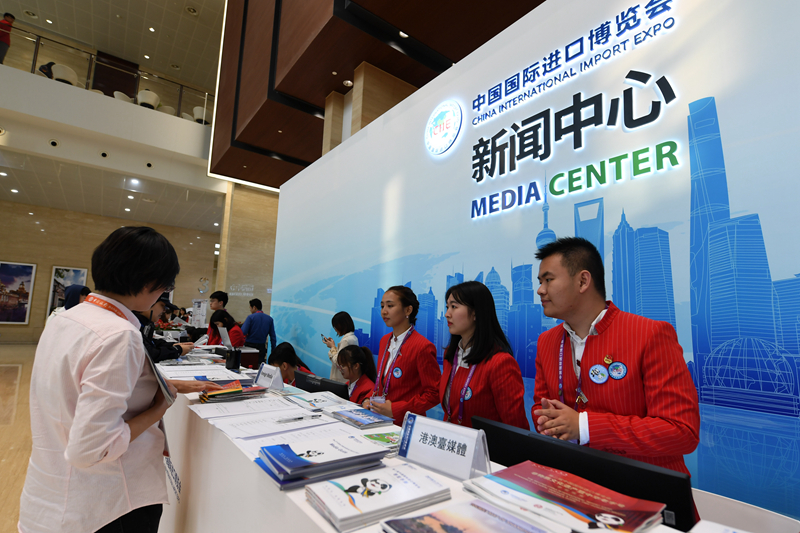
264,424
256,405
251,447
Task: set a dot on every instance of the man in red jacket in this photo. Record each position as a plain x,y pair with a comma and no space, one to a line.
605,378
5,34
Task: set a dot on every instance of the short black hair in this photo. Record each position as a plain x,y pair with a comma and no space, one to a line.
342,322
9,15
221,296
407,298
133,259
86,291
255,302
578,254
488,338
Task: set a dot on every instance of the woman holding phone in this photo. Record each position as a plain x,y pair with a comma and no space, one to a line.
408,374
343,325
480,376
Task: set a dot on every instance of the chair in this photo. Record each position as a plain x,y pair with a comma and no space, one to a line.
148,99
199,113
187,116
64,74
169,110
98,91
741,515
122,96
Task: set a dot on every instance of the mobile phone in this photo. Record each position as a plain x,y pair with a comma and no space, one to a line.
322,335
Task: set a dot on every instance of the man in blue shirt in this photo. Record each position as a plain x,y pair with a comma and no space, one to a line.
256,327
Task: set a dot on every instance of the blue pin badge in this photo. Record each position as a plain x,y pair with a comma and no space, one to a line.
397,373
468,394
598,374
617,370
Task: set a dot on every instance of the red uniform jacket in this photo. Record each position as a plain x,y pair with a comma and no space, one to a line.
298,368
416,389
496,392
363,389
235,334
651,414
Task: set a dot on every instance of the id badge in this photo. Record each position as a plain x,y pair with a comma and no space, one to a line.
378,399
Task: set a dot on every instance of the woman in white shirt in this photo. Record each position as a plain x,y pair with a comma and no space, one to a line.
343,325
97,456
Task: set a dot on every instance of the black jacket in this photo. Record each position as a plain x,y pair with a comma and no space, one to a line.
157,349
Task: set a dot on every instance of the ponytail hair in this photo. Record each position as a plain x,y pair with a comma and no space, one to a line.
284,353
351,355
407,298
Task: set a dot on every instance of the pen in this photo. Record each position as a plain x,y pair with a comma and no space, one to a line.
297,419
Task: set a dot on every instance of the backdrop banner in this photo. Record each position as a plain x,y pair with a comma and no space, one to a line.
662,131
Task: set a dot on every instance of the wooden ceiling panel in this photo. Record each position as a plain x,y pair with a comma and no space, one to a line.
300,137
260,169
454,28
253,89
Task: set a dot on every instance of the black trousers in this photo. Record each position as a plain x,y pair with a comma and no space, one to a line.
262,351
141,520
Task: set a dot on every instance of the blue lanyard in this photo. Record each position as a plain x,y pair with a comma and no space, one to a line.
385,378
579,396
463,390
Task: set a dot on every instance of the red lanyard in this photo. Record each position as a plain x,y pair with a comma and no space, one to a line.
463,391
386,377
108,306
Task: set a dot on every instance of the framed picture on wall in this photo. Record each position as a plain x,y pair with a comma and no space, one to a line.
16,288
62,278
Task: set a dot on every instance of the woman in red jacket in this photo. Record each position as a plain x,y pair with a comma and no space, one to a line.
223,319
480,376
407,369
286,359
358,368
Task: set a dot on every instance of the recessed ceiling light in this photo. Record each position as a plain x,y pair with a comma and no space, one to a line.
14,190
280,131
144,77
3,174
191,10
216,223
49,21
146,57
404,35
135,181
152,29
175,66
42,229
198,237
334,73
130,197
215,251
30,213
127,209
216,246
245,166
347,83
37,222
31,14
191,243
119,17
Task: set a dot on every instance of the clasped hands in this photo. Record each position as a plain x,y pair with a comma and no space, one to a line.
383,408
557,420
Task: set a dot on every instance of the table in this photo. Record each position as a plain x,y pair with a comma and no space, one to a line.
222,490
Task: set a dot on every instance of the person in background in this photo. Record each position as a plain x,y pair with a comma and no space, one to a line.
223,319
607,379
343,325
159,349
480,376
73,295
408,373
97,456
218,300
182,314
358,368
5,34
257,326
285,358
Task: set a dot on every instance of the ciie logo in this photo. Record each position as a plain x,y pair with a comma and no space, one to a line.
443,127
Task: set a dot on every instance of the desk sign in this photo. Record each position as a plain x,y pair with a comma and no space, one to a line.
270,377
455,451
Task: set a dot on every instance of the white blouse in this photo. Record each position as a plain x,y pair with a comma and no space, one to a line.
89,376
348,339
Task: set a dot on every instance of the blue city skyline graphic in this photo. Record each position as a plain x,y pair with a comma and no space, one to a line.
744,355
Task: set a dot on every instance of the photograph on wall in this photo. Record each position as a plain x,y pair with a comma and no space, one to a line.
62,278
16,287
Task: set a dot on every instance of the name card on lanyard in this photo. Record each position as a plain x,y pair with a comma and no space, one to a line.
455,451
270,377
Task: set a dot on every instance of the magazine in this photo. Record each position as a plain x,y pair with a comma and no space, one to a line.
303,458
361,418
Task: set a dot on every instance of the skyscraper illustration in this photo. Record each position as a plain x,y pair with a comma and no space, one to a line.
426,317
546,236
378,327
788,291
500,295
589,223
455,279
655,298
738,360
524,320
623,267
479,277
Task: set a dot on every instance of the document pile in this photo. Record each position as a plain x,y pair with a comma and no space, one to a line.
540,494
315,401
475,516
232,392
360,418
390,441
315,460
357,501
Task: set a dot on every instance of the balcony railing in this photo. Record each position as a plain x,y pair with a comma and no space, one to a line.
45,57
